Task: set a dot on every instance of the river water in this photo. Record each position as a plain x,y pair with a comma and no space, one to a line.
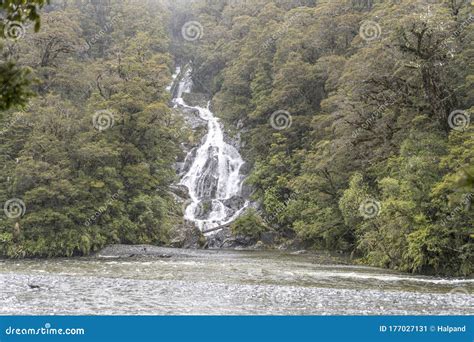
222,283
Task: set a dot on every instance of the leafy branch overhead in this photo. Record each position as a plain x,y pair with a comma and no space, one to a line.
15,17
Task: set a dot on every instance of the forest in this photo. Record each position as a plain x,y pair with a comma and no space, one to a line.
354,117
90,156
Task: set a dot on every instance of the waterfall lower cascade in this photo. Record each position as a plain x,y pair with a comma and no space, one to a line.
214,180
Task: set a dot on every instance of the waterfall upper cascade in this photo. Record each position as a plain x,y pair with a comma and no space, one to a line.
214,179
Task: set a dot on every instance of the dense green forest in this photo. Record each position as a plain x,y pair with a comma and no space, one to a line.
354,115
88,160
369,149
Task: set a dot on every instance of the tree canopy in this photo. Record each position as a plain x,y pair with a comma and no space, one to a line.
354,117
374,156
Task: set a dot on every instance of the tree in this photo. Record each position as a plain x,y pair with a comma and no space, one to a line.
14,80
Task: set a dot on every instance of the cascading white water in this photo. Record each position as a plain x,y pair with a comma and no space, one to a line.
214,180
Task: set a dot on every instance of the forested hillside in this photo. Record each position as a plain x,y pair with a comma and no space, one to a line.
356,118
88,160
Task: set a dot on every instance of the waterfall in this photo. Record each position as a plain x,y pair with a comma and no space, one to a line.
214,180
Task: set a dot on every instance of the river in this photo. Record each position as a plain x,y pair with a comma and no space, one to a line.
221,282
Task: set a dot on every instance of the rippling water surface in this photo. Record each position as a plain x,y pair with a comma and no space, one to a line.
222,282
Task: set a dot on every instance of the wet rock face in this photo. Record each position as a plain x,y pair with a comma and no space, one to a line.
186,165
234,203
268,238
233,141
192,118
196,99
187,235
247,190
180,191
204,209
224,239
246,168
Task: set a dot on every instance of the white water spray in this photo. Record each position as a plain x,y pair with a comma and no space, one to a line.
213,180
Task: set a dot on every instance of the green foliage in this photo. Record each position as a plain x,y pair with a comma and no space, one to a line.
249,224
22,11
370,121
85,185
14,83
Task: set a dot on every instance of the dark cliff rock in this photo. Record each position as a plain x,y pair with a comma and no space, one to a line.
226,240
196,99
187,235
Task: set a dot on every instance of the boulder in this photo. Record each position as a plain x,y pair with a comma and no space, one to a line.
192,118
235,203
196,99
180,190
226,240
187,235
247,190
246,168
268,238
